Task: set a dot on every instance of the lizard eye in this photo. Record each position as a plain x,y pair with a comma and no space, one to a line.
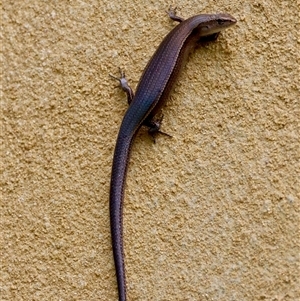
221,22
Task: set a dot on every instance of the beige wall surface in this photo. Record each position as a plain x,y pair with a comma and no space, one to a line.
210,214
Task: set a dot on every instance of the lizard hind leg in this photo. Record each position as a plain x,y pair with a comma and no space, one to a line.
124,85
154,125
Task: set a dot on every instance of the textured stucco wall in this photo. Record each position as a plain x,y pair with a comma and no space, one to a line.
211,214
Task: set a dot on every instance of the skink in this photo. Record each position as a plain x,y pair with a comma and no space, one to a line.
152,91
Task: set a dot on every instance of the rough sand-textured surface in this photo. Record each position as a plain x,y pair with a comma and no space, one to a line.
211,214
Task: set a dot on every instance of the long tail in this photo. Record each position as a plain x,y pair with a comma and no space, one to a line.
118,176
